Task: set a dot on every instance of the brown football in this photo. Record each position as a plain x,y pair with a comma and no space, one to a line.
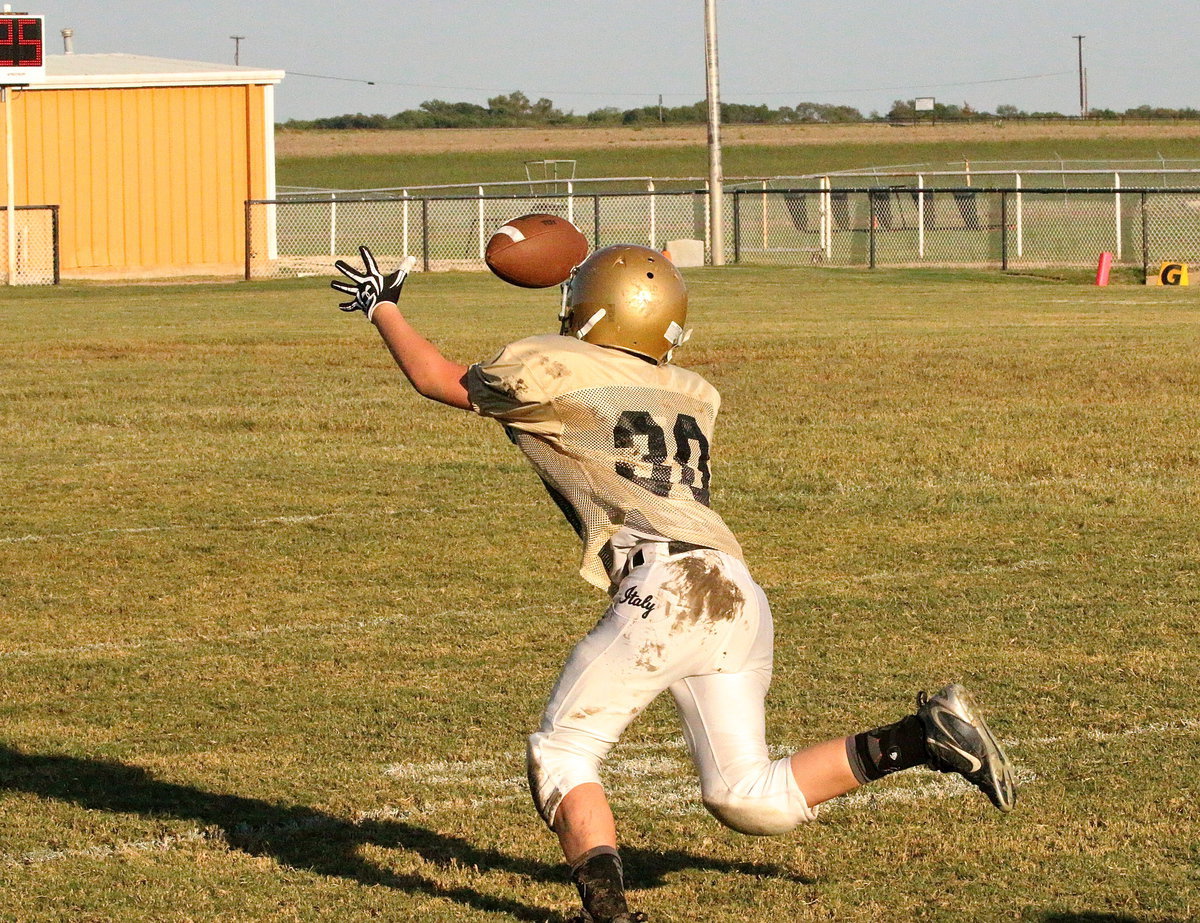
536,251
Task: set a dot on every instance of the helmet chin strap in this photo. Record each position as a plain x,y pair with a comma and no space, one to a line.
676,336
564,312
591,322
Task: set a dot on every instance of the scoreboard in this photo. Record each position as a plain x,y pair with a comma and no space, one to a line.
22,57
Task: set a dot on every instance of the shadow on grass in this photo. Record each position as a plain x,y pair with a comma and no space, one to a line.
311,840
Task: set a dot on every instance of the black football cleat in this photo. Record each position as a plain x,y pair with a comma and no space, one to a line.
959,741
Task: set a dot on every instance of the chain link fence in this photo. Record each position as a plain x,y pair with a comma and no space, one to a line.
296,238
33,258
1005,228
878,226
1058,174
584,186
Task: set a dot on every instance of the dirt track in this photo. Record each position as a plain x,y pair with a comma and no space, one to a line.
325,143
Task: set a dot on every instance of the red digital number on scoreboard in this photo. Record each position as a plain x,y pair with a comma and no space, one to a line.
20,42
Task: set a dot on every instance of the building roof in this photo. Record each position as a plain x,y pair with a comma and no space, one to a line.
95,71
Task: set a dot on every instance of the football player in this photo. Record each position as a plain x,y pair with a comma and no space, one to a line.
622,440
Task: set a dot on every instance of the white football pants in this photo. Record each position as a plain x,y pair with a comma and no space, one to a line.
695,623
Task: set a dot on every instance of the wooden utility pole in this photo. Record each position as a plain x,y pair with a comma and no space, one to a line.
1082,91
716,227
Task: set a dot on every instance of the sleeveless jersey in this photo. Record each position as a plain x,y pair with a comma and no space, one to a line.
621,445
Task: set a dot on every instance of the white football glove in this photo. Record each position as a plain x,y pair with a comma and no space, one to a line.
370,287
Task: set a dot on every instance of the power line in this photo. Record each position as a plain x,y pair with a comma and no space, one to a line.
437,86
688,94
369,83
913,86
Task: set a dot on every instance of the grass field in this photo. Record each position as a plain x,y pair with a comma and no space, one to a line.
274,629
359,160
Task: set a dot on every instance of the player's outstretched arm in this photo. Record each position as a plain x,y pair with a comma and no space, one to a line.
376,295
432,374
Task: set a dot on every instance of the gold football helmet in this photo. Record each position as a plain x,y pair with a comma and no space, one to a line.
628,297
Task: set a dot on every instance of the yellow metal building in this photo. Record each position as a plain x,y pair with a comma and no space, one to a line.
149,160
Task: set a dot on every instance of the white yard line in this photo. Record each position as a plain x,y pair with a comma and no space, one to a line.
208,526
1184,725
1103,303
162,844
249,633
134,644
1015,567
337,627
649,781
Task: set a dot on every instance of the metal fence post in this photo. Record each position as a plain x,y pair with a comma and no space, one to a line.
1145,243
425,233
766,236
871,228
480,219
246,242
1004,230
596,222
404,226
1020,217
737,225
1117,212
333,224
708,221
54,238
653,215
920,216
827,217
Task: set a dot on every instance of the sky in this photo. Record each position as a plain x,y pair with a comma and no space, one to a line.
589,54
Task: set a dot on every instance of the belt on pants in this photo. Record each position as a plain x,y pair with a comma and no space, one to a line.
639,555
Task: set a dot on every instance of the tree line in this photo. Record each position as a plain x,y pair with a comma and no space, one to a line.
514,110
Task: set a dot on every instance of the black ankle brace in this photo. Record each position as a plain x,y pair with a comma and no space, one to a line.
891,748
598,877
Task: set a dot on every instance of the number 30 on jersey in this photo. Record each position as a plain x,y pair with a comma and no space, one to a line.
637,430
